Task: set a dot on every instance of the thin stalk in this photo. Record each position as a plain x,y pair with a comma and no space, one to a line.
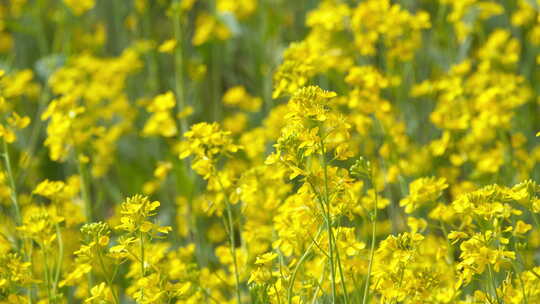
60,257
37,124
152,64
31,260
215,55
43,44
331,239
216,88
13,192
233,250
524,267
85,191
340,268
535,219
141,236
277,293
525,300
319,283
494,286
329,226
90,277
401,275
47,273
373,238
319,247
180,106
209,296
232,239
450,248
107,277
300,262
138,259
179,69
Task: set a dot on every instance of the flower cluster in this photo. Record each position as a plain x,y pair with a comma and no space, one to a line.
329,151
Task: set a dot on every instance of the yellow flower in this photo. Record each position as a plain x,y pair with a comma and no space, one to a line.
168,46
161,122
422,191
99,294
17,121
238,96
206,142
240,8
135,211
40,226
7,134
74,277
263,271
417,224
522,227
456,236
266,258
186,112
208,27
80,7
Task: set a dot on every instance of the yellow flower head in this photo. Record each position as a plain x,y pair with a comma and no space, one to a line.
135,211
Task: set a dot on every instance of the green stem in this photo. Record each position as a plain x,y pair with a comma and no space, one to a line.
300,262
47,274
232,239
36,129
277,293
535,219
340,269
215,55
331,239
30,253
152,64
141,236
518,274
13,192
494,285
319,283
84,188
107,277
179,69
448,243
233,250
40,33
373,239
329,228
60,257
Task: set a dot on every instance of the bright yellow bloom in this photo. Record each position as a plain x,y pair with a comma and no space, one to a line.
168,46
135,211
422,191
80,7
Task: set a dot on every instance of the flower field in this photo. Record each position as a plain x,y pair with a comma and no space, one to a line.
270,151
